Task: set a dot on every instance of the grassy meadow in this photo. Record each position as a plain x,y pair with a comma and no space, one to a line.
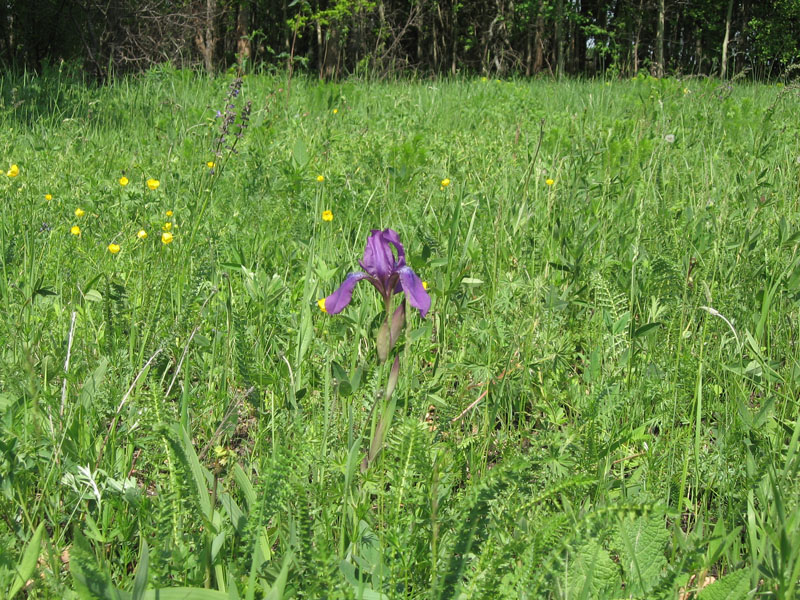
601,403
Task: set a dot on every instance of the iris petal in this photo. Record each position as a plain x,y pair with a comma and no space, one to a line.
415,291
336,302
378,259
390,237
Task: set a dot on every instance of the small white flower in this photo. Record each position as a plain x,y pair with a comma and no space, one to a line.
670,138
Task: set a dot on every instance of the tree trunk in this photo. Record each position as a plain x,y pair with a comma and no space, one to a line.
528,50
11,40
209,42
559,38
320,48
660,39
698,52
454,39
243,46
331,61
538,45
637,39
379,45
287,38
434,39
724,64
529,44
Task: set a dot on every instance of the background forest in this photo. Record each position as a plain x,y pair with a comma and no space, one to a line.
378,37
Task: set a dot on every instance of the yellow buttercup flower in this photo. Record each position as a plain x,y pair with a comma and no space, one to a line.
169,213
320,178
445,182
13,171
113,248
425,285
167,226
321,304
327,215
48,197
166,238
549,181
75,230
123,181
79,212
335,110
153,184
142,234
210,164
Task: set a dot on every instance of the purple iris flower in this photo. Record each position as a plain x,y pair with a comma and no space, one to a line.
389,274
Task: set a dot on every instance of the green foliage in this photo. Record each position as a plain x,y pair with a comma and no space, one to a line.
641,543
27,563
600,404
733,586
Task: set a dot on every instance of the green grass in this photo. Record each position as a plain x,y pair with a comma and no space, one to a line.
626,339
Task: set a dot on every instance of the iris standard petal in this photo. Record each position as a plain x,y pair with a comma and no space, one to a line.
391,237
378,259
415,291
336,302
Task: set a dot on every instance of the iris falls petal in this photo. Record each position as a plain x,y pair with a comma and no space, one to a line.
336,302
415,291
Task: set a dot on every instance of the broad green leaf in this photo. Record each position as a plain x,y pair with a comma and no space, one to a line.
235,514
352,462
733,586
91,385
421,332
621,323
276,592
361,588
91,582
140,580
93,296
641,542
591,572
243,481
6,400
299,153
216,544
233,590
185,452
338,373
471,281
27,563
646,329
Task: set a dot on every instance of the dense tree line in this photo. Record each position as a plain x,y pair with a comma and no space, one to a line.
377,37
